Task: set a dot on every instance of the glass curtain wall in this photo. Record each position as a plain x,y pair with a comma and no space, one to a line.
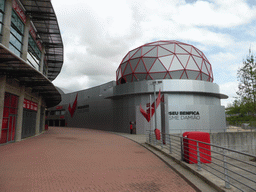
17,32
1,17
34,53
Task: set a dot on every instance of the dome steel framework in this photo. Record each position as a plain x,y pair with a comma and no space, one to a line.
164,60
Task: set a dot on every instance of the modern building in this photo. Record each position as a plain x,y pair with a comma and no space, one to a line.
188,98
31,56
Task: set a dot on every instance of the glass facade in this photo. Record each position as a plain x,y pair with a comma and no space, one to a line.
17,32
2,2
34,53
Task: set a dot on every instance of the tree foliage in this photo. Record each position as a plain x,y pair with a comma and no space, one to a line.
247,84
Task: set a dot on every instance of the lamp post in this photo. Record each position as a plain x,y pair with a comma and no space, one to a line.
154,83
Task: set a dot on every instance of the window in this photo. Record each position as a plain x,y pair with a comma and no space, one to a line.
62,112
1,17
52,112
17,31
57,112
34,53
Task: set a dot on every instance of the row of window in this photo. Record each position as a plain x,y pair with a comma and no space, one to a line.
16,39
58,112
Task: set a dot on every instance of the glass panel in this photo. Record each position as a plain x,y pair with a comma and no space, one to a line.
194,52
128,78
198,61
2,5
148,62
63,112
157,75
32,60
204,77
176,74
178,49
204,70
163,52
183,59
126,58
140,76
140,67
128,69
134,63
175,65
169,47
152,53
16,21
138,54
184,75
146,49
132,52
33,48
192,65
57,112
123,66
157,67
192,74
186,47
166,61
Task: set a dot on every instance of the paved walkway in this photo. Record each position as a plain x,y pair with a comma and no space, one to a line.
71,159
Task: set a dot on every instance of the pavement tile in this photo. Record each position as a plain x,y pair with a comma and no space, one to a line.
73,159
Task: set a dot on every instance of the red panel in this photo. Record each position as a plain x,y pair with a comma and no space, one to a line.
190,148
3,136
7,99
13,128
6,112
10,128
5,123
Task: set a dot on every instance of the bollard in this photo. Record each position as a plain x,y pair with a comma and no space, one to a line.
181,150
198,157
227,185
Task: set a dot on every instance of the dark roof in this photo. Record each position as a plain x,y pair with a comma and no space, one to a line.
45,21
15,67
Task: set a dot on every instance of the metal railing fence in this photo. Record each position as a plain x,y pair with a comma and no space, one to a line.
235,168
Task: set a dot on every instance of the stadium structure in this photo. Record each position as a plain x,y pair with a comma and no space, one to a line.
31,57
164,84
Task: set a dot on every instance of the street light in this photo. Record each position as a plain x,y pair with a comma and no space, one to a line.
154,83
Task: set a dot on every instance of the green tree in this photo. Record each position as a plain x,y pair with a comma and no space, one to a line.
247,84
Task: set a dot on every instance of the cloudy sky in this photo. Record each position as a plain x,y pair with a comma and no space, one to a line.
97,34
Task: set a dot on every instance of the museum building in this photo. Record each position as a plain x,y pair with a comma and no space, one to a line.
31,57
164,84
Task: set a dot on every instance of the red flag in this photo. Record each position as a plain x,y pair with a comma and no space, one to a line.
146,113
72,110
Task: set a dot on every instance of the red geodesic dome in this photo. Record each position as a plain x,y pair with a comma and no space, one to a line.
164,60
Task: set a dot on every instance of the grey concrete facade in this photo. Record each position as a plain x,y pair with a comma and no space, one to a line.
188,105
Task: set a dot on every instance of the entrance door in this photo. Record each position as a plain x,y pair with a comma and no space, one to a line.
9,118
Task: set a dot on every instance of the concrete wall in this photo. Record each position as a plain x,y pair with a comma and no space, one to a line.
240,141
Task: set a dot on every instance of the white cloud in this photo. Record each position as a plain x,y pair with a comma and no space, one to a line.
217,13
98,34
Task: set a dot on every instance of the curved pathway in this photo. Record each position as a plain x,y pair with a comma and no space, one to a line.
72,159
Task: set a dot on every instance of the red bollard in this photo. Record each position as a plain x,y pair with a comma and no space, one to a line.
157,133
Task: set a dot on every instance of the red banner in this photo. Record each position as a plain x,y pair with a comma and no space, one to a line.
19,11
27,104
33,34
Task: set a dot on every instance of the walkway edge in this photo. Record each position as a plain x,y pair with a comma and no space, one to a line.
177,166
197,174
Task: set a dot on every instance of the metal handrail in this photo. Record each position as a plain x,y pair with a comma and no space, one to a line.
221,168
